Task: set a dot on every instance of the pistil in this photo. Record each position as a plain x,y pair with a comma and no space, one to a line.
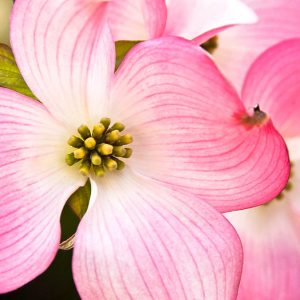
101,149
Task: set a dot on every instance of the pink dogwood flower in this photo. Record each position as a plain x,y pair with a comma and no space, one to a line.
270,233
196,20
146,234
238,47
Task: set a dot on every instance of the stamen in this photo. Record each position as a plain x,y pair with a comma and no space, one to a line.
120,164
124,140
85,167
80,153
128,153
118,126
84,131
119,151
96,159
105,149
110,164
113,136
105,122
70,159
99,171
98,150
90,143
75,141
98,131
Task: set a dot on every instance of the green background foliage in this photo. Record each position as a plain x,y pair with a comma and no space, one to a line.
10,76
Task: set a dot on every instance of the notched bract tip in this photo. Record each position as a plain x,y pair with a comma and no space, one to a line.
256,119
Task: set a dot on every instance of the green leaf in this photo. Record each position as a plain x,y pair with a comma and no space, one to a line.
122,47
79,200
10,76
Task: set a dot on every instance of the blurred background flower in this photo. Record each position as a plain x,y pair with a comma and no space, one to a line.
239,46
270,232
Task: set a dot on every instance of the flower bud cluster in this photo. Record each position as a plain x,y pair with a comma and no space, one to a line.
99,149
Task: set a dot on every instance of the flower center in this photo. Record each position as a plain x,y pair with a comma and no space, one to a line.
99,149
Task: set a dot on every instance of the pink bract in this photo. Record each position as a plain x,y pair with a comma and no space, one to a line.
148,233
238,47
270,233
191,19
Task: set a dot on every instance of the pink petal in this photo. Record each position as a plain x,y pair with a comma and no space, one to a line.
240,46
34,186
273,81
141,240
137,19
155,15
271,244
66,55
193,18
182,114
294,146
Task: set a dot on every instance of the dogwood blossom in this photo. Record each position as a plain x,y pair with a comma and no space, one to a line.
192,19
238,47
147,233
270,233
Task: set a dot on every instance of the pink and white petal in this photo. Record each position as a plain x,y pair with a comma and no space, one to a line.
34,185
71,65
294,146
141,240
155,15
271,245
137,19
273,81
238,47
192,18
182,114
